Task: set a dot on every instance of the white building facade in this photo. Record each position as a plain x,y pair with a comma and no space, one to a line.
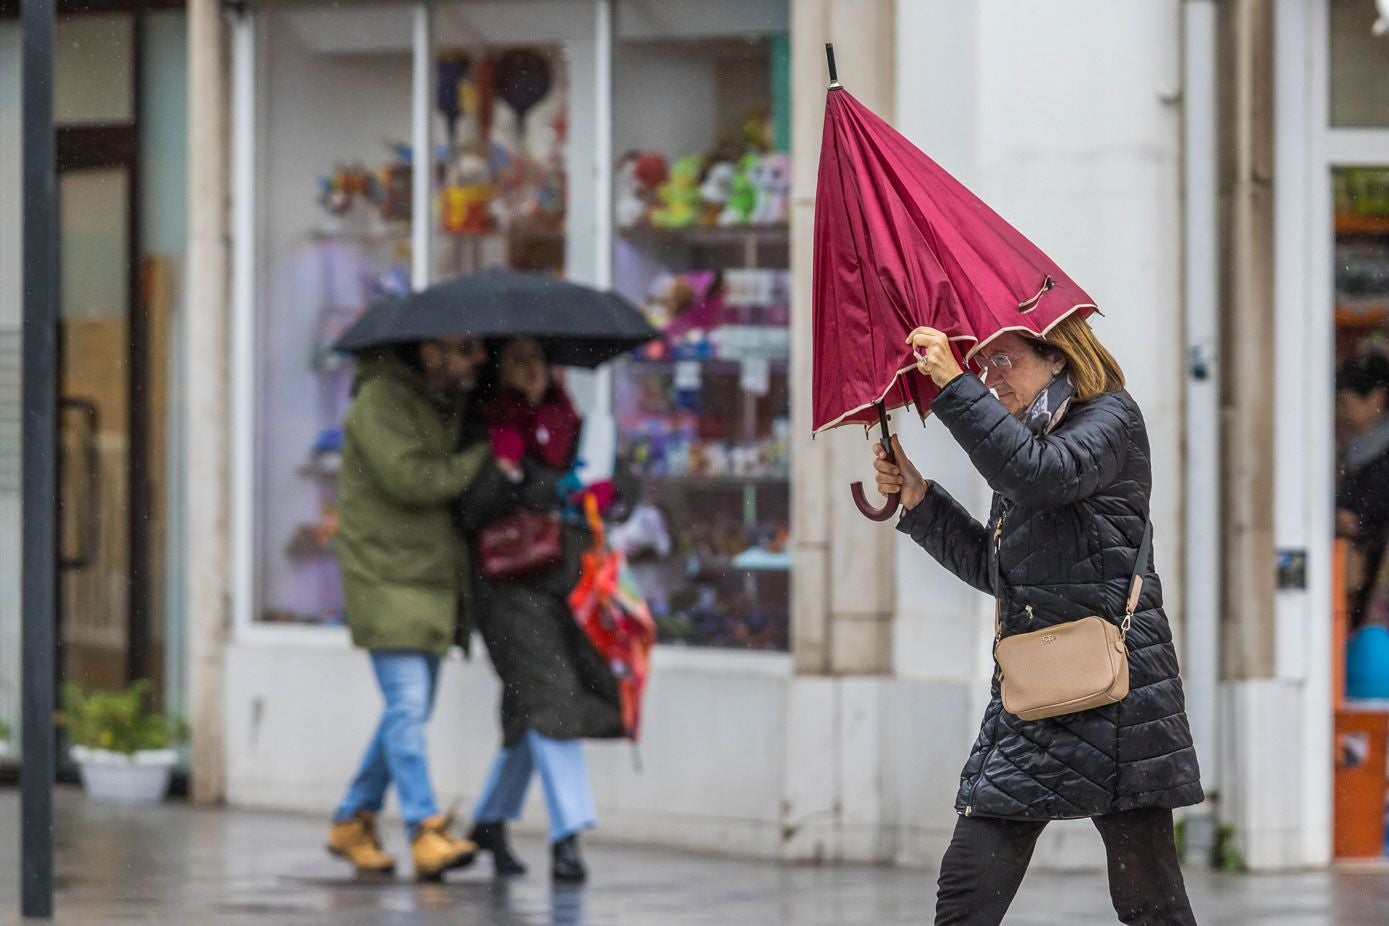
1136,143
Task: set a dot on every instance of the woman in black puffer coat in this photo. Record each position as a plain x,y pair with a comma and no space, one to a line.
1065,450
556,688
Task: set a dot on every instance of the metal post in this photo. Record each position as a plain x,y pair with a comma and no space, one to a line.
39,512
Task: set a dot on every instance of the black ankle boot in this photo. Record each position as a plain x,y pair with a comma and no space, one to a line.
491,837
567,865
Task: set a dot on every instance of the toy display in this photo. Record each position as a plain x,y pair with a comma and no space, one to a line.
703,424
680,195
732,184
638,180
771,178
716,191
485,184
742,196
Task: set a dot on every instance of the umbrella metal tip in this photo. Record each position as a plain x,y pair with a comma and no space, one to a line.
834,72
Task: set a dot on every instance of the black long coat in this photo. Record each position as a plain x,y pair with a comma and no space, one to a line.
1074,504
553,680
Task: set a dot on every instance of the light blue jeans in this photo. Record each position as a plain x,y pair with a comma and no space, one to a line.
397,751
563,773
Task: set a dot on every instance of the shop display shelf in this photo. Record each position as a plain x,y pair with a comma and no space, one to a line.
1353,223
400,234
1373,315
725,366
661,480
714,236
753,559
318,470
757,559
382,234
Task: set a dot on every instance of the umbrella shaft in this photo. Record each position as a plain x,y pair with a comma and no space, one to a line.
884,435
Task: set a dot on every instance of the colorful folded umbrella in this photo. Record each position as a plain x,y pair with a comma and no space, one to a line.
613,615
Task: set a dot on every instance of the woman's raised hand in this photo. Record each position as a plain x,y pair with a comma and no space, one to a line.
901,479
934,357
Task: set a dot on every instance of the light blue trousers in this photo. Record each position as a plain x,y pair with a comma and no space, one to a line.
563,774
396,752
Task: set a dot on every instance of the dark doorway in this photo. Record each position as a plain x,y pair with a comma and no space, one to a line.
104,633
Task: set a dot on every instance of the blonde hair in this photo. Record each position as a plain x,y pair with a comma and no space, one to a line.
1093,369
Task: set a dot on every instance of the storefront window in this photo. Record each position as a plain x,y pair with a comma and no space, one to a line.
701,122
1362,261
1362,424
1359,65
335,224
333,156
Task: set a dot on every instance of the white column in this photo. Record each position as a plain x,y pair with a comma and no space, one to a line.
243,324
843,590
206,346
842,595
1200,651
602,158
421,158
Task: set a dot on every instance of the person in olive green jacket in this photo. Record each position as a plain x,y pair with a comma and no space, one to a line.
405,576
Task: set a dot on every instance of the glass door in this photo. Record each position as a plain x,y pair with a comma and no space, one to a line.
95,457
105,511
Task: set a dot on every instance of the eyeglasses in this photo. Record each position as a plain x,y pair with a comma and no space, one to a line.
1001,362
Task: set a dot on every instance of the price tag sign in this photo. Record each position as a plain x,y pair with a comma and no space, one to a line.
689,375
756,375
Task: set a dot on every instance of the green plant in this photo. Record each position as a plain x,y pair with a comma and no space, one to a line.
5,732
118,721
1227,856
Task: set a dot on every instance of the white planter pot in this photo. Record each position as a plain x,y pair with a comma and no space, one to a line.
140,778
4,749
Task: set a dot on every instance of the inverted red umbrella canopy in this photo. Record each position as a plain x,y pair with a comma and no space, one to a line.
900,244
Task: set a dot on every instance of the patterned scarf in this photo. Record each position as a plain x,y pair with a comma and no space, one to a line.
1051,403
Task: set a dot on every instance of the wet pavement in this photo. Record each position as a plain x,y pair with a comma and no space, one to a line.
173,864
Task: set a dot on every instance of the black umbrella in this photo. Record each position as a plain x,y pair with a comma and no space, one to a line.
577,325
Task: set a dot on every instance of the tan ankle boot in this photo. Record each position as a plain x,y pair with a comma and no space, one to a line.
435,850
357,841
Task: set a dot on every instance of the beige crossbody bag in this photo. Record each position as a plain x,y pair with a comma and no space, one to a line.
1068,667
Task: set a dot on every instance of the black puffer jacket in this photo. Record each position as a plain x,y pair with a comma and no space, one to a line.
1074,503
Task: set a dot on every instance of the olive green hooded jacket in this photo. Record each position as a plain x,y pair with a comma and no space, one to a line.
405,566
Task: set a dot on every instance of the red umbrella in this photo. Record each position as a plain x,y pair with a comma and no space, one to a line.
900,244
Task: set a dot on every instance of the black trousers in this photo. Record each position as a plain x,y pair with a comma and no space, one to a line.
987,858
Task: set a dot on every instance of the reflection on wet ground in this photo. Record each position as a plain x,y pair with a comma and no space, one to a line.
172,864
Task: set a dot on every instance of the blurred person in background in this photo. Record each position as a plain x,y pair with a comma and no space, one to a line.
405,579
1362,492
556,688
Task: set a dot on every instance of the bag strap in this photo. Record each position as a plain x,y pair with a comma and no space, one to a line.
1140,565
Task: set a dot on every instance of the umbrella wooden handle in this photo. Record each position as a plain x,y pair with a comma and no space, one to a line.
875,514
861,500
